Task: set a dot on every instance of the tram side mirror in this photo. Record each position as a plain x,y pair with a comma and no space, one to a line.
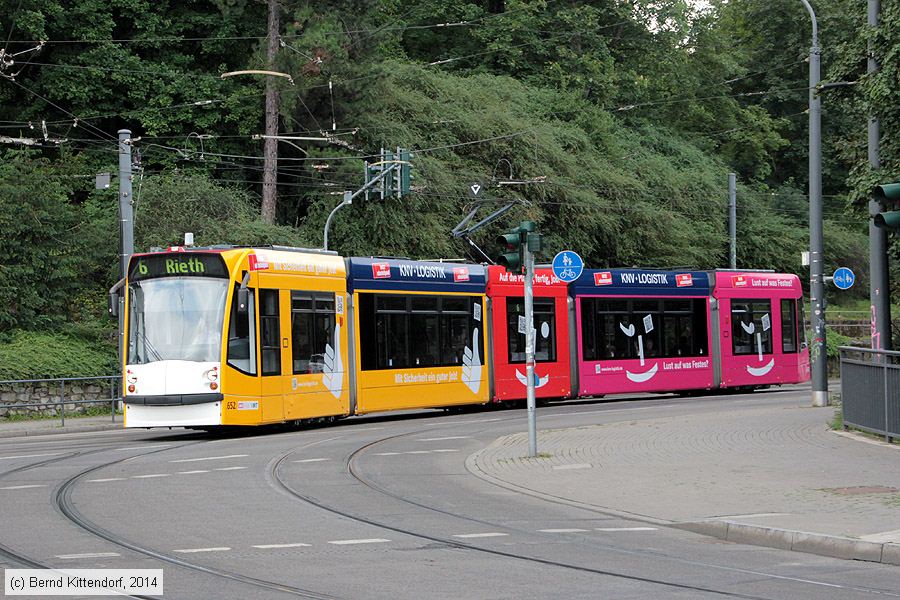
243,301
113,305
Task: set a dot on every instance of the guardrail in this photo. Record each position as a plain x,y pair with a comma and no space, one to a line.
870,390
60,400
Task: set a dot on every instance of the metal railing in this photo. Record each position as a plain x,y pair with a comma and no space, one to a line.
60,401
870,390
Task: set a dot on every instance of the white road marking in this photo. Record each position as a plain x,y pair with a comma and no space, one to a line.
310,460
570,467
626,529
194,550
418,452
268,546
449,437
753,515
368,541
21,487
105,480
151,476
90,555
145,447
191,472
446,450
480,535
184,460
29,455
229,468
572,530
387,453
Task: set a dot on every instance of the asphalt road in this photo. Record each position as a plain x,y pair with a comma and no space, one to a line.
374,507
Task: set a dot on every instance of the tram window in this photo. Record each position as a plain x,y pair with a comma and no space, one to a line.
425,304
788,326
662,328
242,336
312,329
545,330
588,329
802,324
270,334
751,326
399,331
393,346
424,339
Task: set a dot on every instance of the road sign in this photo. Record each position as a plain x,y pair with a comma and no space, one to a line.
475,189
844,278
567,266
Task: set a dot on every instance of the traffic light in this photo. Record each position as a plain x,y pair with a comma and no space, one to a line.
405,171
512,259
387,183
515,242
885,193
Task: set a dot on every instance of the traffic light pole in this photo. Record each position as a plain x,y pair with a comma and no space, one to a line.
529,349
879,286
818,356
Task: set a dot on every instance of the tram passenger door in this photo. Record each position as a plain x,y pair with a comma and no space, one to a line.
273,345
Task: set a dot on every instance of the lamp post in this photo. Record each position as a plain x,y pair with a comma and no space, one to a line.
816,242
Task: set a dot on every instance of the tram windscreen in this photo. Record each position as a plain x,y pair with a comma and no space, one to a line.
176,318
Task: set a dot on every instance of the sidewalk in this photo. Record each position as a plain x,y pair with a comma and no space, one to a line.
14,429
756,474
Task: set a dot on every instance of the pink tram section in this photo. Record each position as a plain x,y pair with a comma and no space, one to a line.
759,329
642,331
552,372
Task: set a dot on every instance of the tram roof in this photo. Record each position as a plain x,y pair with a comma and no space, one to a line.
416,276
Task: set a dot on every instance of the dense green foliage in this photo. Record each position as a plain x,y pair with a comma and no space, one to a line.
624,116
33,355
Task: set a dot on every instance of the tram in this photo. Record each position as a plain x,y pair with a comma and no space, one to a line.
251,336
552,372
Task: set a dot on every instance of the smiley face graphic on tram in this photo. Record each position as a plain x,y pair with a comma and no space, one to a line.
630,331
750,329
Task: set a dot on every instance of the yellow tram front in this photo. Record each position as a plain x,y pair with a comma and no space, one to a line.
235,336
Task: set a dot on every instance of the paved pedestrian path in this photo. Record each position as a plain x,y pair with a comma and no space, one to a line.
773,475
11,429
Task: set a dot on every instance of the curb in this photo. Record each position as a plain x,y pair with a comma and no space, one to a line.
59,430
797,541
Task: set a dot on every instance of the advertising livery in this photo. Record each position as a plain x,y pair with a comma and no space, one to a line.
250,336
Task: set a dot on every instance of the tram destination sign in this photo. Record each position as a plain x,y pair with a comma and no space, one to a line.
180,264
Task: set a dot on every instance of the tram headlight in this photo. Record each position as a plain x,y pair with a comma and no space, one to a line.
213,374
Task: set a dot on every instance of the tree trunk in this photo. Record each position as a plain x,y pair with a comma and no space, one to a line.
270,162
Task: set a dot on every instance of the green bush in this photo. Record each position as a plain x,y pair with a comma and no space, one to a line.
31,355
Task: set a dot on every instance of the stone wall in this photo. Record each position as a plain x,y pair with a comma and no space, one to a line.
46,394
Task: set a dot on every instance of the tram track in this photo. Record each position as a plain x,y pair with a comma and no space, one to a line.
27,561
356,474
67,507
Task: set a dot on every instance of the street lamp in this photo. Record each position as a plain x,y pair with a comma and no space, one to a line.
816,243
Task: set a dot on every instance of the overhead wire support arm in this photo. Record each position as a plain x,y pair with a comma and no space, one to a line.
463,229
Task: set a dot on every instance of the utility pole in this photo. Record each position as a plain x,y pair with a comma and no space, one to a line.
270,150
879,288
818,356
732,219
126,208
529,348
126,225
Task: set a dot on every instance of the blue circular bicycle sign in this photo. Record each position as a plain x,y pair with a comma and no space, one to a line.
844,278
567,266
